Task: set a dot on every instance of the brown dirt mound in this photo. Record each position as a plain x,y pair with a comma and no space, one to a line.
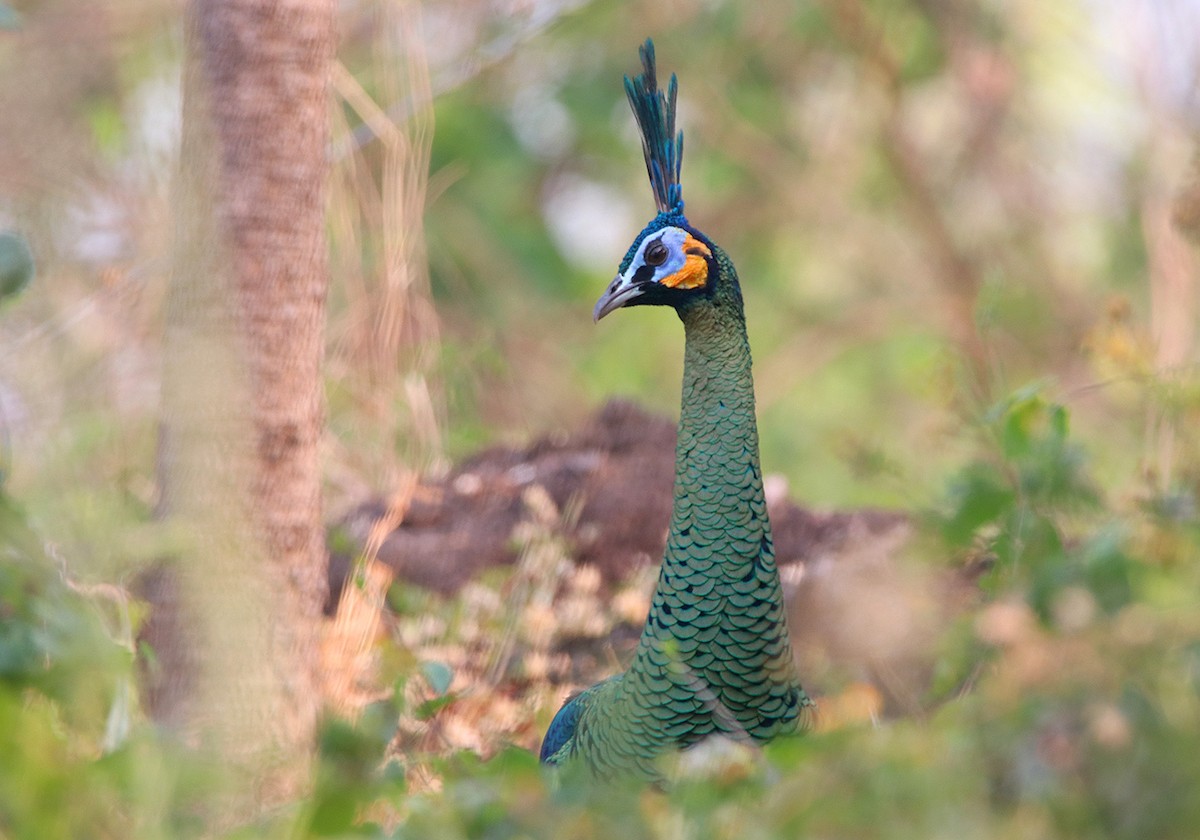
614,479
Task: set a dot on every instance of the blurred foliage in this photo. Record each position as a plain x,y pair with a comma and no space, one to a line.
930,204
78,761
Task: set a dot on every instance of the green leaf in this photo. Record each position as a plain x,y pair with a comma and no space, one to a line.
394,775
431,707
16,260
1018,431
439,676
980,496
1108,571
10,18
334,814
1059,424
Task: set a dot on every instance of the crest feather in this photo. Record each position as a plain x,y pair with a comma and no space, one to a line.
662,146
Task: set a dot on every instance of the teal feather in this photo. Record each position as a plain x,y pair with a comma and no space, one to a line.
661,144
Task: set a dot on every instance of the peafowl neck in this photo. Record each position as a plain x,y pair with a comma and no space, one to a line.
719,502
715,655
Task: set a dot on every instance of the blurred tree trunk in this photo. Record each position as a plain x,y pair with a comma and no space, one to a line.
237,617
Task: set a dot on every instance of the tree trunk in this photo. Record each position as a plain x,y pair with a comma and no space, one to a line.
242,403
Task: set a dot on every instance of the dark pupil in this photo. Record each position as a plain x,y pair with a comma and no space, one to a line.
656,254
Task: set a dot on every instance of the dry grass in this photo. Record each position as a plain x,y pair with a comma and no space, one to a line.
349,643
385,337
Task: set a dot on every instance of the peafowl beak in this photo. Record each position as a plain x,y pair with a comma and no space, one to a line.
618,293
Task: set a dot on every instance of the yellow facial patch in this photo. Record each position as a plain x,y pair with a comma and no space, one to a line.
694,273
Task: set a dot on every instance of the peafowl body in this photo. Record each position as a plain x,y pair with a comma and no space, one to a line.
714,657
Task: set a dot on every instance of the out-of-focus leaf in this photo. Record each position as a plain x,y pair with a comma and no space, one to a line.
430,708
10,18
438,675
979,497
16,260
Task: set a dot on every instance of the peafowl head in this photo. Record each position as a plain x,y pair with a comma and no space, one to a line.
670,263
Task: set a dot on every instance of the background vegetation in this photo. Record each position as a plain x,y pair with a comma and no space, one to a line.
962,228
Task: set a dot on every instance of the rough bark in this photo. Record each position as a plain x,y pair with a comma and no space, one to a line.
242,403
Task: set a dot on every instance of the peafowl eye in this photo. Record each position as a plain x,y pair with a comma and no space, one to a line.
714,657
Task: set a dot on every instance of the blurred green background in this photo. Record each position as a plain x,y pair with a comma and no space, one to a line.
962,231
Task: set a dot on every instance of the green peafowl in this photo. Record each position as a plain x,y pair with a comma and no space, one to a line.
714,657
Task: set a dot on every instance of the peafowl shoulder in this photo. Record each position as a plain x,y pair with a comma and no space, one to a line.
714,656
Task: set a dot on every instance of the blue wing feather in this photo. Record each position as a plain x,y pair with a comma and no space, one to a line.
562,730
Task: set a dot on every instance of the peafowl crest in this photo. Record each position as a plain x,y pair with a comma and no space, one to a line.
714,657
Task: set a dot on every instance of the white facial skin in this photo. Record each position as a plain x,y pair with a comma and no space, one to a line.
673,238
